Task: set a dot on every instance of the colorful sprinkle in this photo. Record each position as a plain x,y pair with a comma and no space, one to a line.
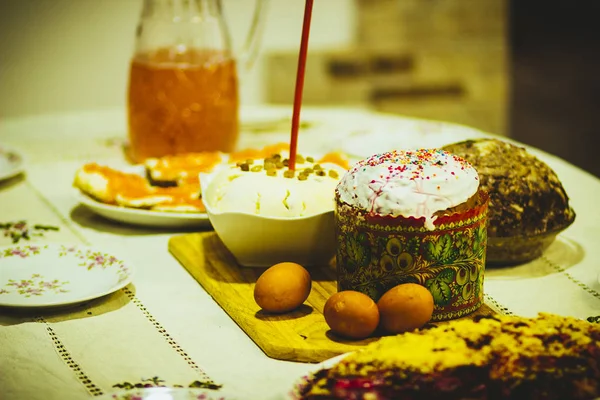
412,183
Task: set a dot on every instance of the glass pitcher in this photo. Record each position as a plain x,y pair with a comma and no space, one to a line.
183,79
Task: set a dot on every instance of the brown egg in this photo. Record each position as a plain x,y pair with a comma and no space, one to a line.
405,307
282,287
351,314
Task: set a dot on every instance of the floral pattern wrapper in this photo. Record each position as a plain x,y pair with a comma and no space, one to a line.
376,253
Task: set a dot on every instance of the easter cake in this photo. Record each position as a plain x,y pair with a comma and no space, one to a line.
413,216
424,183
528,203
498,357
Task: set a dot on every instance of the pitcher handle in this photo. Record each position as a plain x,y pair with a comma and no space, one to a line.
251,47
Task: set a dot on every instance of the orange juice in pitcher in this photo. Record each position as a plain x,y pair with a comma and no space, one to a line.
183,85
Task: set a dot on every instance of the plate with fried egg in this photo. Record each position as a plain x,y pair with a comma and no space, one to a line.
162,192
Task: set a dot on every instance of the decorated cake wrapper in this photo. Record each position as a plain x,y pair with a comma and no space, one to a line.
376,253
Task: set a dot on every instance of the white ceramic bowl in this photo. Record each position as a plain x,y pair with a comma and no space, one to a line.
262,241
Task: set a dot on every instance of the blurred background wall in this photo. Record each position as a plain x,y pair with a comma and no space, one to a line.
521,68
442,59
554,78
69,55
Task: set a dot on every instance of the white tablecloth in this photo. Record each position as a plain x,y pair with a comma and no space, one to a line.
164,326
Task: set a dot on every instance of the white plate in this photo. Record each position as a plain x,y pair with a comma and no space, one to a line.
164,393
55,275
11,162
134,216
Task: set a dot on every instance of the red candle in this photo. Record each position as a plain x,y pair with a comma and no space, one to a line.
299,84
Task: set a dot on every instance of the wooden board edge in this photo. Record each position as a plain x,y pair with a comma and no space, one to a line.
247,324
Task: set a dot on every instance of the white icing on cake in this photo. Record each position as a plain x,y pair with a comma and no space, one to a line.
275,196
409,183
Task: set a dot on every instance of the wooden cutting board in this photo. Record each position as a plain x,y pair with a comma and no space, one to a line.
301,335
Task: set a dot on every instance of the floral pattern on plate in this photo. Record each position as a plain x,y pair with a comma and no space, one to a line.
20,251
35,286
90,259
54,274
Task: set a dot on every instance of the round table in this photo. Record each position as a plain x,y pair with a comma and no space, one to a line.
164,328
